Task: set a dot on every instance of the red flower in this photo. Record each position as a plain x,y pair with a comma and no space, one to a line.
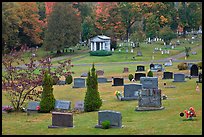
38,108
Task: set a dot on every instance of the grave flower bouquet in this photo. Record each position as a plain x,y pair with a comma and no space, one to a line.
7,109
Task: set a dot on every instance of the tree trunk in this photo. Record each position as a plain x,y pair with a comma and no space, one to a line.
58,52
184,31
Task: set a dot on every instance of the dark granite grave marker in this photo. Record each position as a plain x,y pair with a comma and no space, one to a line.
138,75
60,119
167,75
102,80
149,82
179,77
194,70
140,68
118,82
62,105
125,70
114,117
79,83
79,106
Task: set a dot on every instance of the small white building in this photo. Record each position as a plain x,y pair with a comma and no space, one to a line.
100,42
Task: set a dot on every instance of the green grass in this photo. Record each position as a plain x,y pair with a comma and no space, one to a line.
163,122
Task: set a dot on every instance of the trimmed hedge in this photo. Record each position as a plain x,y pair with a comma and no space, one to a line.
100,53
182,66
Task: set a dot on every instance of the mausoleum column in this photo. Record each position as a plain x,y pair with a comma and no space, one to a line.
94,46
100,46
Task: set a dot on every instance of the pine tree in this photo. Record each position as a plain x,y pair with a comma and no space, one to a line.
92,101
47,102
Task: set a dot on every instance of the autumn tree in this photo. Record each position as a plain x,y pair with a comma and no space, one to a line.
63,27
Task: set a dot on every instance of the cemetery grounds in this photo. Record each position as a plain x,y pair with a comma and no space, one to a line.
162,122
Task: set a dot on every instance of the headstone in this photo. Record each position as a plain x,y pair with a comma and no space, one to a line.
126,50
167,75
60,119
149,99
118,82
79,83
126,70
114,117
162,52
157,68
179,77
131,50
138,75
79,106
119,50
194,70
61,82
100,72
139,53
167,64
102,80
132,90
62,105
112,49
151,66
149,82
140,68
32,106
85,74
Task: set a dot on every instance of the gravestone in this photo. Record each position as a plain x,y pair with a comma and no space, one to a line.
149,82
100,72
114,117
62,105
32,106
194,53
138,75
79,83
179,77
167,75
126,70
61,82
118,82
85,74
131,91
139,53
157,68
149,99
151,66
167,64
194,70
140,68
79,106
102,80
61,119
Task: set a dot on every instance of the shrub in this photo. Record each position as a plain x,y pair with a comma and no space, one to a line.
100,53
92,99
200,65
150,74
130,77
182,66
69,79
47,102
105,124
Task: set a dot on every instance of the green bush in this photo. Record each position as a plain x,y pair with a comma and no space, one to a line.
150,74
200,65
68,79
105,124
100,53
182,66
92,101
130,77
47,102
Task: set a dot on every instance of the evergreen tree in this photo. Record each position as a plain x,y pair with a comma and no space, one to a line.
92,99
47,102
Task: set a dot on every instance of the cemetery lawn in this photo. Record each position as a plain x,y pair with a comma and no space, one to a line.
162,122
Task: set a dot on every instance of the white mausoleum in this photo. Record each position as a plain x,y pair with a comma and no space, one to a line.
100,42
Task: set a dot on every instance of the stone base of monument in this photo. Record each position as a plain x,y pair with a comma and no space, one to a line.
148,108
100,126
31,112
128,98
179,81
